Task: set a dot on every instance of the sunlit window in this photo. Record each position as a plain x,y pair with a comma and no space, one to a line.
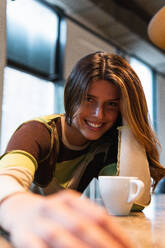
145,75
24,97
32,31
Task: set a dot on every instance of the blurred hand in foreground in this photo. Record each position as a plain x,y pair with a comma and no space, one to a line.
63,220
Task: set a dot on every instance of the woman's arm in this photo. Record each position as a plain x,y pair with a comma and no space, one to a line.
60,220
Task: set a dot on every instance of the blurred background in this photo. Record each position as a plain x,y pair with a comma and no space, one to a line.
41,40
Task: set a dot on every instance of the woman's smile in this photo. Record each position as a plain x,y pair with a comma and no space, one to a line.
93,125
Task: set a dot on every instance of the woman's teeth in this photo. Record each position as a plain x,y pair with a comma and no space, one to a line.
94,124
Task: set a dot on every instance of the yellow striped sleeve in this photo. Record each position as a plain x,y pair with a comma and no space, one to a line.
19,158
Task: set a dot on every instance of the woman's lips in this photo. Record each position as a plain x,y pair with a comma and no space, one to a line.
94,124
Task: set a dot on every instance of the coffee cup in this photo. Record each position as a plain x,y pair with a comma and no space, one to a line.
119,193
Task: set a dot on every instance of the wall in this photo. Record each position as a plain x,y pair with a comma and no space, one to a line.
161,114
2,48
79,43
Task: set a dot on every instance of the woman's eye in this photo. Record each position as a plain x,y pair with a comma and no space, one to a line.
112,104
89,99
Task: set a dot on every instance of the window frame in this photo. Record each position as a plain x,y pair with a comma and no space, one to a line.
59,51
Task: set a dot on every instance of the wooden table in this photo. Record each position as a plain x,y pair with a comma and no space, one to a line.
146,229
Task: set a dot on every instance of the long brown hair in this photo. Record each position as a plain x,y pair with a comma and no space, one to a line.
117,70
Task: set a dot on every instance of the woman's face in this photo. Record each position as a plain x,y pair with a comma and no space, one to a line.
97,113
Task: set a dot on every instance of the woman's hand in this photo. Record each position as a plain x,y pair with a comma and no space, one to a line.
62,220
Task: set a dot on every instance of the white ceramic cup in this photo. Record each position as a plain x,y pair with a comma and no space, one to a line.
119,193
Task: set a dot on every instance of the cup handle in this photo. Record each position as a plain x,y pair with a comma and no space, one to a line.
140,189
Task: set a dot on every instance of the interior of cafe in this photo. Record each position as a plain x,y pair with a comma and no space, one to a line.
41,40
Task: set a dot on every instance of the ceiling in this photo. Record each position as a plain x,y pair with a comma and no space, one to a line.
122,22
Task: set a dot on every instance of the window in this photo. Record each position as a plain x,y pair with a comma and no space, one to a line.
32,32
24,97
32,41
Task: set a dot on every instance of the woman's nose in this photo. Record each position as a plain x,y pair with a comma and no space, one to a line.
99,112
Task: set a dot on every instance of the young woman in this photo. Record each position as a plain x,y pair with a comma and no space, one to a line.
105,130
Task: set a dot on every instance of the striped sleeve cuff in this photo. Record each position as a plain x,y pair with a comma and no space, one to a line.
18,158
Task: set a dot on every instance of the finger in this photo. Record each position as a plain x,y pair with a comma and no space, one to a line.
98,214
114,228
83,205
95,213
86,237
56,236
84,229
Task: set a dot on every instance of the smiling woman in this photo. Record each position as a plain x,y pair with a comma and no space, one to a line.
105,128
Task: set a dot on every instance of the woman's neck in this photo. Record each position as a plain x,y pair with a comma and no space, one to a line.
71,138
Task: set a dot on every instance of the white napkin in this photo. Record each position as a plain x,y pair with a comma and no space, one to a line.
132,161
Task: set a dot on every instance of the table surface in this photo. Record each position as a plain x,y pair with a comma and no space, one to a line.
146,229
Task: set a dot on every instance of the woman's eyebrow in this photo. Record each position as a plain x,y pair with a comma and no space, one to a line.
112,99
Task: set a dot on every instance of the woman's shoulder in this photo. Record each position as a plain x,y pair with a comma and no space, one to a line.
40,133
43,122
48,118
